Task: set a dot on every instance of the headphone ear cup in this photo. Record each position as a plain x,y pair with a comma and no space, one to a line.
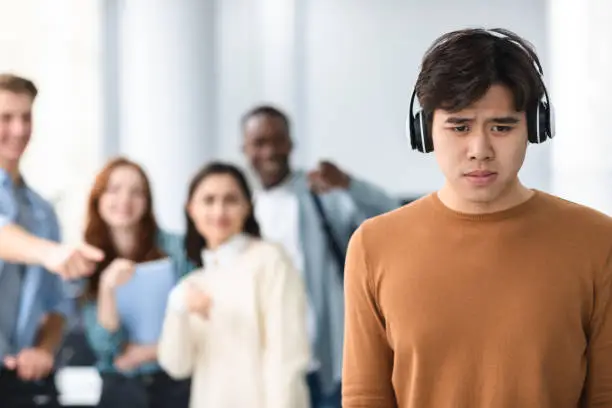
422,135
540,130
545,121
410,131
539,124
533,123
417,136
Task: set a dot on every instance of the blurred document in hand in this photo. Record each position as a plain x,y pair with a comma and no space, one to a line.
141,301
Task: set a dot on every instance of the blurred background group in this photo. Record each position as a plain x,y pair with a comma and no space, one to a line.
167,85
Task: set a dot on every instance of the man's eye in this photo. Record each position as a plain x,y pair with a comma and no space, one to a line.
502,128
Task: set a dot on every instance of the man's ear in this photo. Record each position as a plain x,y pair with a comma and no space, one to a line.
291,145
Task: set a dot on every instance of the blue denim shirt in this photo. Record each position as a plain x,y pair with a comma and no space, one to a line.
41,292
108,345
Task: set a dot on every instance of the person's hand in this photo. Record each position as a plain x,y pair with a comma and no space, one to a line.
72,262
117,273
327,176
31,364
134,356
197,301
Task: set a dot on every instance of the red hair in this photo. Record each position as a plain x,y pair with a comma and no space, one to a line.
98,234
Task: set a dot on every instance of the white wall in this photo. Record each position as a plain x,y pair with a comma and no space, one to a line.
582,58
56,45
345,70
166,96
361,61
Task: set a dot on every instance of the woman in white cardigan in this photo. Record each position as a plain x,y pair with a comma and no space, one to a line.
237,326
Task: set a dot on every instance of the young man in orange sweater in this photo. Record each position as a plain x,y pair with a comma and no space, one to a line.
485,294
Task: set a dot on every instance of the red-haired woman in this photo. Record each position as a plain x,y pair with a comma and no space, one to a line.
120,221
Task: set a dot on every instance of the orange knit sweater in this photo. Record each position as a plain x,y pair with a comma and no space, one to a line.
505,310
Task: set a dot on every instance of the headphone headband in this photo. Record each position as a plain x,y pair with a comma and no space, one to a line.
502,36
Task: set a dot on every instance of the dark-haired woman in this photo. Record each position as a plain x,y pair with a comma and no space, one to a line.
237,326
120,221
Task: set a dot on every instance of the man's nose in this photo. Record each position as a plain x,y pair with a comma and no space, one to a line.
480,147
268,151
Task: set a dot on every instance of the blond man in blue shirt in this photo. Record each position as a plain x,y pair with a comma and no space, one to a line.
33,302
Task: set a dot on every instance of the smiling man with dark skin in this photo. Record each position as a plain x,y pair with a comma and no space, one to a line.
268,147
287,213
486,293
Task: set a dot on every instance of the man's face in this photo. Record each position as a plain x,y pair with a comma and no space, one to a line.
481,149
267,146
15,125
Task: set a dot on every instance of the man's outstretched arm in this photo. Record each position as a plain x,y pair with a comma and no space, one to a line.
19,246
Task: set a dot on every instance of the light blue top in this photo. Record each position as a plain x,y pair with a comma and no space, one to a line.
345,210
41,291
108,345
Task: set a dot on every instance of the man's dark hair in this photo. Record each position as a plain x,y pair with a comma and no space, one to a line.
267,111
17,84
460,67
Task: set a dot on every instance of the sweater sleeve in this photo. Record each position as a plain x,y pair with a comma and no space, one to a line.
368,359
598,385
287,353
176,348
105,344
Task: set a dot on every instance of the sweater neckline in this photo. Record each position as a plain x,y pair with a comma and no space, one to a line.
514,211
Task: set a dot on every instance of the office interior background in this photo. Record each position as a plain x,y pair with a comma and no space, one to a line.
165,83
